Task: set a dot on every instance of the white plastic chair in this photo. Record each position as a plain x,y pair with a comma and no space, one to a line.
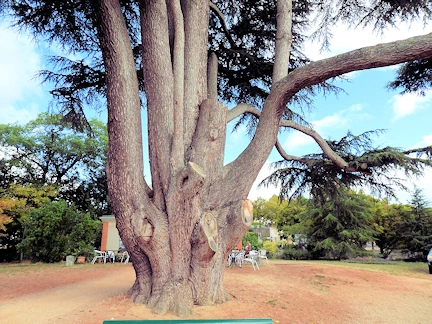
98,255
235,259
252,258
263,254
239,259
110,255
125,257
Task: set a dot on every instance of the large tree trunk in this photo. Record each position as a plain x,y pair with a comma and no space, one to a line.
180,231
179,235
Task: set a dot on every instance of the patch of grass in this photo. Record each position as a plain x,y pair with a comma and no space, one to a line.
272,302
413,269
318,284
370,260
25,267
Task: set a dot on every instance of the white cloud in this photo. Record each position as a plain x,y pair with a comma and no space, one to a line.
345,39
426,141
11,115
19,91
423,183
407,104
326,126
298,139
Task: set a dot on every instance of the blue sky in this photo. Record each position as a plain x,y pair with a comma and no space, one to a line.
367,105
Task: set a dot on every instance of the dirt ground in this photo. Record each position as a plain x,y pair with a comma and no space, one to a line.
286,292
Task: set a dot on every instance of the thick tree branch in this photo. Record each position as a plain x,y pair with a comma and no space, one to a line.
177,156
196,19
221,16
241,109
212,74
158,76
125,152
245,108
289,157
332,155
283,40
361,59
251,160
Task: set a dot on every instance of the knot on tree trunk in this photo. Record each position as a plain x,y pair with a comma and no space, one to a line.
190,180
209,225
247,212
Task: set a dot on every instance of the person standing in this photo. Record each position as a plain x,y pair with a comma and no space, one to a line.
248,247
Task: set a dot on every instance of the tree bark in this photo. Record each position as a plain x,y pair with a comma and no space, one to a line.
180,232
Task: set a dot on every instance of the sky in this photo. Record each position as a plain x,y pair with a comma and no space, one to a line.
365,105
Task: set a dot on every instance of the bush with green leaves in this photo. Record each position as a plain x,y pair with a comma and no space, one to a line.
293,253
252,237
56,229
270,247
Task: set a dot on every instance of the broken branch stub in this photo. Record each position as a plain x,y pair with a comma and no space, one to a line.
209,225
147,230
247,212
190,180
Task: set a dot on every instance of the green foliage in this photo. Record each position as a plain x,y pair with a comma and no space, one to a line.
341,227
405,227
252,237
270,247
417,237
5,206
369,168
283,214
389,222
48,151
20,200
294,253
55,230
414,76
259,204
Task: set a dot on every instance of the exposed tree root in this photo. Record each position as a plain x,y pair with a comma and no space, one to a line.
140,293
176,299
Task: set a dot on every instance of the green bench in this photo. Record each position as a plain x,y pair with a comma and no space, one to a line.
228,321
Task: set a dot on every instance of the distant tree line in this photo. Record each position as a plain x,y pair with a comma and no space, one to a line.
53,187
340,228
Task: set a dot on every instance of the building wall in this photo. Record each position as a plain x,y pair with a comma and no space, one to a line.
269,233
110,235
113,237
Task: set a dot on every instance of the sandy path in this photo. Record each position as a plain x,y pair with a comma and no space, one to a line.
292,293
67,304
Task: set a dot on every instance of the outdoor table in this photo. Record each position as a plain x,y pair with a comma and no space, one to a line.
233,256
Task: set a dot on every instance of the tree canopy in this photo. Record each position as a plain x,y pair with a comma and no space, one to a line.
47,151
341,227
242,33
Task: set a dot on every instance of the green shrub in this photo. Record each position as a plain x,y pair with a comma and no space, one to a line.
270,247
252,237
292,253
55,230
